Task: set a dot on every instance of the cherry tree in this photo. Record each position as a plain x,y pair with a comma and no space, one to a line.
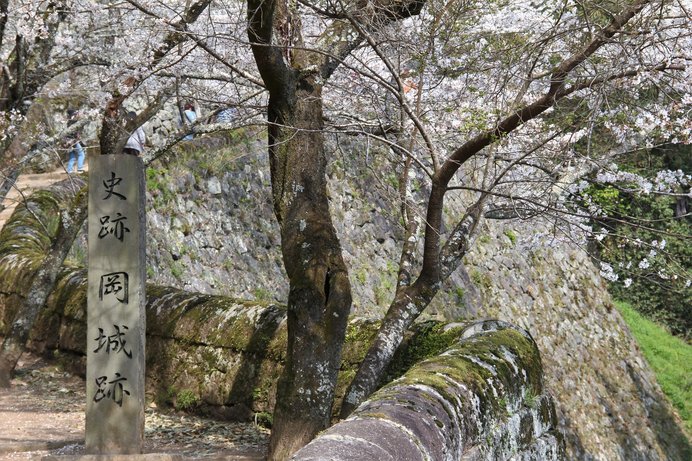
500,108
28,34
508,110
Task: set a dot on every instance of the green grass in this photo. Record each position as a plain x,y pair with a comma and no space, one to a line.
669,357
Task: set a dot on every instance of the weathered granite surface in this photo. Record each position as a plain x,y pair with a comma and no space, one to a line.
609,404
482,399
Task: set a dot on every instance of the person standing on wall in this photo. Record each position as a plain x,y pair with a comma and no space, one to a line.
137,140
73,144
190,116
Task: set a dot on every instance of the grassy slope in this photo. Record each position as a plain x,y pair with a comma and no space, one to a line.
670,358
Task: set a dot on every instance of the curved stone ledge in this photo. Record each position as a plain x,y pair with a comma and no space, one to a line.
482,399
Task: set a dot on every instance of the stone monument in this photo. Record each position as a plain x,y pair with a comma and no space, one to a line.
116,305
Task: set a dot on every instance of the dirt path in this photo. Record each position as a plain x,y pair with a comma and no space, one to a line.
25,185
43,414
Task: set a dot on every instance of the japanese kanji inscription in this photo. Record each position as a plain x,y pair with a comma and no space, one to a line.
116,300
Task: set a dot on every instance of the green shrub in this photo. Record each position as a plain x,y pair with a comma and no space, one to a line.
177,269
262,294
264,419
511,235
186,400
658,277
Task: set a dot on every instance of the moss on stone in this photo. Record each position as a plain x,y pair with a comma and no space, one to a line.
27,236
428,339
359,336
474,363
276,349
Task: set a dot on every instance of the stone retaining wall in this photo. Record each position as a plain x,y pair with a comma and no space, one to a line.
609,405
483,398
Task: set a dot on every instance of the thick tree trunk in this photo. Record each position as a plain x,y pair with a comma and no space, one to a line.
320,294
41,286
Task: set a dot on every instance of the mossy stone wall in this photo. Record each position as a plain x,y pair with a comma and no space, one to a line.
222,356
482,399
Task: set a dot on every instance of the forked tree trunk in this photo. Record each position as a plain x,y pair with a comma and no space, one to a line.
439,262
320,294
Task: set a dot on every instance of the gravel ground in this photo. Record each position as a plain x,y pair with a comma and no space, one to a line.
43,414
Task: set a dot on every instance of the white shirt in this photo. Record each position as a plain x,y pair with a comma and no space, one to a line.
137,140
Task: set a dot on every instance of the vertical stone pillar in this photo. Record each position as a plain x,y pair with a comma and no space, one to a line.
116,305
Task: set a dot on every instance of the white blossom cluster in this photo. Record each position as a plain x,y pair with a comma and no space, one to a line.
26,19
532,18
616,176
607,272
645,265
666,181
10,122
671,181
